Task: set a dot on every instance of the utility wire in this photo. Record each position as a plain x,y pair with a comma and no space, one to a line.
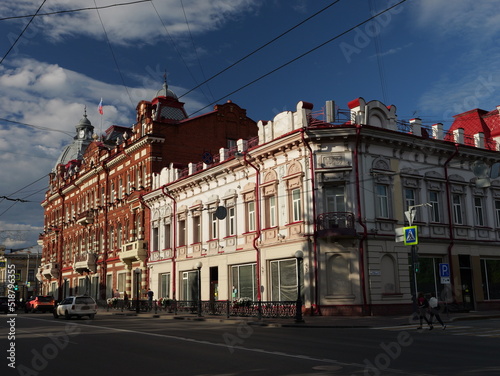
26,186
10,207
260,48
175,47
22,32
195,50
380,63
37,127
72,10
113,54
302,55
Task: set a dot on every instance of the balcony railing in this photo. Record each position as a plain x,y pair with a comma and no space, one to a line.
336,224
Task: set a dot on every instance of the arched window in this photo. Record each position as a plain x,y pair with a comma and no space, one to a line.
338,270
388,275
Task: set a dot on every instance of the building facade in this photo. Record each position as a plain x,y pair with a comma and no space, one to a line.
96,229
341,192
24,263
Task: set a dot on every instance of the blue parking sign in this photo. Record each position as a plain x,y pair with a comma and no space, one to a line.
444,270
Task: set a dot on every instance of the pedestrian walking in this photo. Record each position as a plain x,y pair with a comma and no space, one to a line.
423,306
150,299
434,310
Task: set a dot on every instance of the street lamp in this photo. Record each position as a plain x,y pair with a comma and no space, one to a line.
198,266
299,255
137,273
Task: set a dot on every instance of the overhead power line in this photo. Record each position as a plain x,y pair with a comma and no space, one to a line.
73,10
37,127
302,55
22,32
260,48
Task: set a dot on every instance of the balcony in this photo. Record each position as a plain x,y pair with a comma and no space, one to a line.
85,218
50,270
85,262
336,224
133,251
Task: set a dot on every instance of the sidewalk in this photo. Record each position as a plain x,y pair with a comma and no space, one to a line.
309,321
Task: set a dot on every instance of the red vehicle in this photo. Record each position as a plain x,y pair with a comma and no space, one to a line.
43,303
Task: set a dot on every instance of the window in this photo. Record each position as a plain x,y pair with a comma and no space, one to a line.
166,236
182,233
214,226
388,275
479,211
189,285
197,228
250,216
456,200
112,193
409,198
335,199
103,196
270,211
497,212
491,278
434,201
382,200
296,206
121,282
120,235
120,189
284,280
244,282
155,238
338,271
164,288
231,221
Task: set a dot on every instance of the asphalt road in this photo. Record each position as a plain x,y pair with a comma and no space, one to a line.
121,345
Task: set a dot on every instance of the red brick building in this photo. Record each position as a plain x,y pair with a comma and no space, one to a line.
96,228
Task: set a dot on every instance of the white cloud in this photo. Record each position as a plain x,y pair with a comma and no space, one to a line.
469,18
136,23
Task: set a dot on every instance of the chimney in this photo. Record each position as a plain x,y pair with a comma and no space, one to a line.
458,134
437,131
330,111
479,140
416,126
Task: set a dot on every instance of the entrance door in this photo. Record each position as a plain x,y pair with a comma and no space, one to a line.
466,279
214,283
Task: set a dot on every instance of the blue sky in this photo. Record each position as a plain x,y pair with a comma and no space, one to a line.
430,58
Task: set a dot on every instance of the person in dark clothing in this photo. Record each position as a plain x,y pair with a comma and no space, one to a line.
423,306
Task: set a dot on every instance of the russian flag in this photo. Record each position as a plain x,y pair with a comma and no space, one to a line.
99,108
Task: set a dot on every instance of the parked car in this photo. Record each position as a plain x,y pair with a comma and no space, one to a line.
4,304
77,306
42,303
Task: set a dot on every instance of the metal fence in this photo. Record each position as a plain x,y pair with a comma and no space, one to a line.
224,308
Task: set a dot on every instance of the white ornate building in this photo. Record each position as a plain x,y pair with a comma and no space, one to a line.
338,192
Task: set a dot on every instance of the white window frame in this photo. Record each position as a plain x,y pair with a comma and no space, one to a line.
479,211
296,205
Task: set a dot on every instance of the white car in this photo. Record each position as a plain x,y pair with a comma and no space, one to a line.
77,306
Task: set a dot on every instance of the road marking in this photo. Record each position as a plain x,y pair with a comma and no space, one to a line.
88,324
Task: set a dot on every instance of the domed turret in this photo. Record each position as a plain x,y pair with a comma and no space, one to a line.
83,137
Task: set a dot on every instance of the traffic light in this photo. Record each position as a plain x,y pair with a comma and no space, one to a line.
16,287
417,267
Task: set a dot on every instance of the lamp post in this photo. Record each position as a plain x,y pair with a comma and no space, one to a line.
137,273
198,266
299,255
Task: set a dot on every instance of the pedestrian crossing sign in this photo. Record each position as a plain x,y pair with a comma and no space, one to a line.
410,235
